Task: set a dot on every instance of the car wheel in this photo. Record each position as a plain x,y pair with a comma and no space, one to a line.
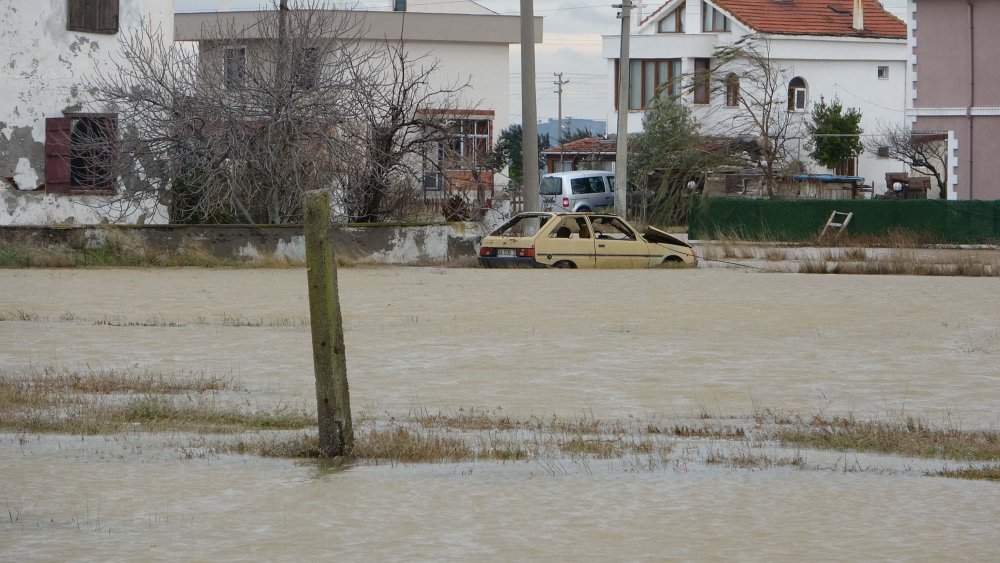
673,260
564,264
583,210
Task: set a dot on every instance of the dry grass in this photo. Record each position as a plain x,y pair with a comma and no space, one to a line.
895,238
908,263
985,473
906,436
157,320
111,380
748,459
98,401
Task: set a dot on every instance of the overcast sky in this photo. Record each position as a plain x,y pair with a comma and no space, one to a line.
571,45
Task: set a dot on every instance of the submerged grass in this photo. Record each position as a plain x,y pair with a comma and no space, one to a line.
95,401
985,473
906,436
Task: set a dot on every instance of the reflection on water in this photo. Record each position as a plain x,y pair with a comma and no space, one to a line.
607,344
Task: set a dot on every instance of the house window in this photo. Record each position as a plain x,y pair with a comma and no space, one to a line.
732,90
882,152
797,94
235,67
713,20
460,163
883,73
470,140
93,16
702,81
673,22
649,78
847,167
79,153
305,68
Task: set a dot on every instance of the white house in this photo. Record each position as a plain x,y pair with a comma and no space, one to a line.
853,50
49,47
467,41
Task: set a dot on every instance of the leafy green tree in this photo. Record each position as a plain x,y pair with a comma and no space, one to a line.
835,133
669,153
507,151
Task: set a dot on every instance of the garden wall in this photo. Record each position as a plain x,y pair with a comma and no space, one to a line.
376,244
941,221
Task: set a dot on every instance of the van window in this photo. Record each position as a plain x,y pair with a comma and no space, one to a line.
550,185
588,185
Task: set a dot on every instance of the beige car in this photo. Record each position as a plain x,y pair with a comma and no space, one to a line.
579,240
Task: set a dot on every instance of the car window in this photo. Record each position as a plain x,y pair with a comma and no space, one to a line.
580,185
612,228
522,226
571,228
550,185
611,182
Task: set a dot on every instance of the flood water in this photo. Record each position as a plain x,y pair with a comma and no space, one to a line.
609,344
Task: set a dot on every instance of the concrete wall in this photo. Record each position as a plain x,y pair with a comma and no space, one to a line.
43,75
429,244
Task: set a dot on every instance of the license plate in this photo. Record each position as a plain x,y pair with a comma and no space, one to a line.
507,252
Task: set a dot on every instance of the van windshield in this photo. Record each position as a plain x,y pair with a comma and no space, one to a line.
550,185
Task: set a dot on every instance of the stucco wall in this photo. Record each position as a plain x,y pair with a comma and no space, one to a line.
43,75
428,244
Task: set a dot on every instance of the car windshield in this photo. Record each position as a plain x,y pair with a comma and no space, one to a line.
550,185
521,226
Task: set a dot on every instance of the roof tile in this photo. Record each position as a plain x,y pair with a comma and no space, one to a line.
813,17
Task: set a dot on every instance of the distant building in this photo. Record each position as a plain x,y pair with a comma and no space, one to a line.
570,126
829,49
955,88
467,40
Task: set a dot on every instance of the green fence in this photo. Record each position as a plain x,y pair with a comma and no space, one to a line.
958,222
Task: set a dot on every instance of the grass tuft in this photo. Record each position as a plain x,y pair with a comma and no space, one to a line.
909,437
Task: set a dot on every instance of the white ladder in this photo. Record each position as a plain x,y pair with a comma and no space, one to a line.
838,220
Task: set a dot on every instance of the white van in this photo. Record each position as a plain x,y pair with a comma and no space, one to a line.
578,191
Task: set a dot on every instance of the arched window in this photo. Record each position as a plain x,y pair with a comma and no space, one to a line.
732,90
797,94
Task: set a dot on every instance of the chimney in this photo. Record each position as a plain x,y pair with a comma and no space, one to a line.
859,15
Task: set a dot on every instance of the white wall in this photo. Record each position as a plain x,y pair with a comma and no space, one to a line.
42,76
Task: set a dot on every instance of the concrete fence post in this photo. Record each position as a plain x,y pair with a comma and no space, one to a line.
333,403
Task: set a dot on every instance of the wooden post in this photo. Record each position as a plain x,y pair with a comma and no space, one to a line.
333,403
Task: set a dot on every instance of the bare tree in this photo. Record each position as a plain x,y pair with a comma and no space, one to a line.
925,153
402,126
274,104
759,86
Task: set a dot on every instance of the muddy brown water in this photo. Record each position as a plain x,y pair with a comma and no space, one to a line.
610,344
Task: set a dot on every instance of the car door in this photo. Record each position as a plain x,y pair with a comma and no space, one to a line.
609,200
617,245
569,240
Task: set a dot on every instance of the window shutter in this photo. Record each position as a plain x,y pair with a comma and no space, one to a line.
57,162
107,16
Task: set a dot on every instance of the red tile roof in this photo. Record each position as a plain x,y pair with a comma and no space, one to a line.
589,145
814,17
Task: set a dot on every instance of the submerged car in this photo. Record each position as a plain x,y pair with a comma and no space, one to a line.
579,240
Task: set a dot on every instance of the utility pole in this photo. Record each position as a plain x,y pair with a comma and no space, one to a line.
621,148
529,110
559,135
